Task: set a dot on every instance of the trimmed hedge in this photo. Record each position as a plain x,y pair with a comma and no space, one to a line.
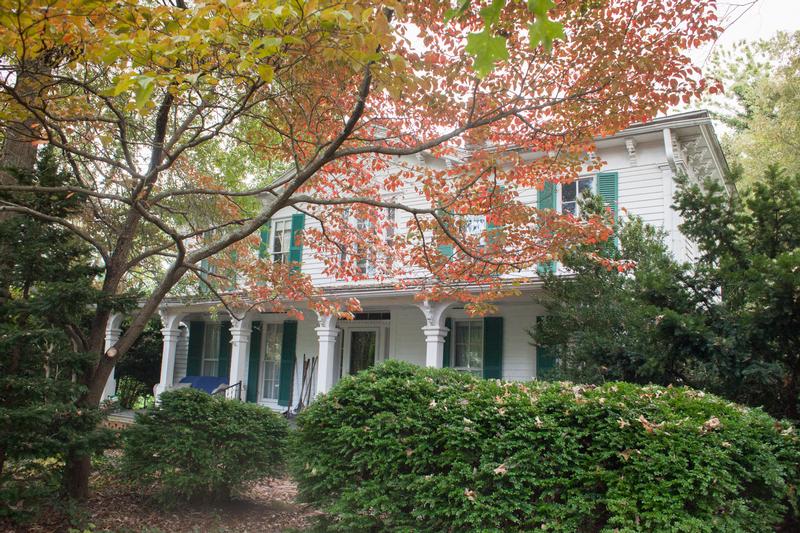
400,447
195,445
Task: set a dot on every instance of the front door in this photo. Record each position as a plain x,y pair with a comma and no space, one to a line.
361,349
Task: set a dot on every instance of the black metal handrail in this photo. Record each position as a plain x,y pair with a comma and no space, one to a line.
231,392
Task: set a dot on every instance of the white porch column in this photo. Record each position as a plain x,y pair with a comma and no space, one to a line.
171,333
113,332
435,332
240,350
326,334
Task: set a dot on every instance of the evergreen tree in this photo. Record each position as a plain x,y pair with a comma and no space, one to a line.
729,323
43,322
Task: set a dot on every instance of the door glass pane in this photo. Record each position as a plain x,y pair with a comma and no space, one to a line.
362,350
468,346
568,192
272,361
210,350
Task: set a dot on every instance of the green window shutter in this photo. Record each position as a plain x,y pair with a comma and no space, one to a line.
194,360
296,246
224,363
545,361
448,342
493,236
263,246
545,268
232,276
203,288
253,363
446,250
288,351
546,199
493,347
608,188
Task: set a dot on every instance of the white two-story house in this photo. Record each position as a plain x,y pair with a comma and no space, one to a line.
276,359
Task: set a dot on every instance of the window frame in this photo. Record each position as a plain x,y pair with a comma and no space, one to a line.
471,322
560,195
262,366
283,255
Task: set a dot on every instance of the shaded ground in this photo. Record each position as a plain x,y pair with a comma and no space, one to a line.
268,506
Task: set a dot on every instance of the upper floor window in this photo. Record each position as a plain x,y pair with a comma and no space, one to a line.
476,226
468,346
281,239
364,264
391,216
570,192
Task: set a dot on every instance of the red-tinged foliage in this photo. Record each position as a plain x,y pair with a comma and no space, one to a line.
352,96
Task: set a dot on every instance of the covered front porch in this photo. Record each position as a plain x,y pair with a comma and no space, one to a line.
283,363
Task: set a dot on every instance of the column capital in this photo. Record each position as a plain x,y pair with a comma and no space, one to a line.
170,334
327,334
435,333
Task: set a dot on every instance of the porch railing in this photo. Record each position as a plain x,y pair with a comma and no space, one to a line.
231,392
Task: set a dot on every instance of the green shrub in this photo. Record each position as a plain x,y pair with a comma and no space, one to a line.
404,448
195,445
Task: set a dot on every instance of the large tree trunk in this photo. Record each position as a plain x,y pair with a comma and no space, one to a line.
19,148
76,475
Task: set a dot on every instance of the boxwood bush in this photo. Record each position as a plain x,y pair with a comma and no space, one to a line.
405,448
199,446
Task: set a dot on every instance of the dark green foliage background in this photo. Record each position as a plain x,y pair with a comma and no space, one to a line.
728,323
403,448
143,361
195,445
47,295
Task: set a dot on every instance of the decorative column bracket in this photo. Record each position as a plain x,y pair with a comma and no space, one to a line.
171,333
434,331
327,332
240,351
113,333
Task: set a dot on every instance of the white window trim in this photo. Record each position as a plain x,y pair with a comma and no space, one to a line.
274,232
455,323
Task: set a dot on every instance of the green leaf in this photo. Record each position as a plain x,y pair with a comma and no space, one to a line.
487,50
146,86
540,7
491,13
544,31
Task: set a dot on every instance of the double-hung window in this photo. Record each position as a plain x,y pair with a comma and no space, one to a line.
281,239
570,192
211,350
476,227
271,367
468,346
